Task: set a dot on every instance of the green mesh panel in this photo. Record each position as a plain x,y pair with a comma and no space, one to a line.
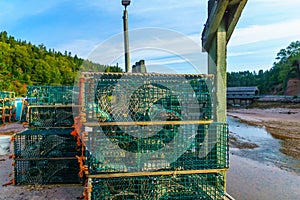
116,151
45,143
61,116
183,187
46,171
111,97
7,95
48,95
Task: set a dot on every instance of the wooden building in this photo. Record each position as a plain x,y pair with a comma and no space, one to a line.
241,96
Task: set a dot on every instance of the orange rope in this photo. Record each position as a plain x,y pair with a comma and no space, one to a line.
86,190
83,169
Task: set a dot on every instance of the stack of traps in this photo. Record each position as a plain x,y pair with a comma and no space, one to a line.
48,106
46,152
45,157
135,125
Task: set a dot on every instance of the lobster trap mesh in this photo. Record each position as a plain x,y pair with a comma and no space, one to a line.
145,97
183,187
49,95
50,116
171,147
46,171
7,95
45,143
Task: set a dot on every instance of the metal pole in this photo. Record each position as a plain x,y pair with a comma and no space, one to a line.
126,41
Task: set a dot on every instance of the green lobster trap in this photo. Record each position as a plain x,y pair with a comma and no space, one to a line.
145,97
50,116
49,95
45,143
45,156
7,95
115,149
181,186
46,171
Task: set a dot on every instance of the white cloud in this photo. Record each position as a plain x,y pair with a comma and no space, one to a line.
156,46
260,33
235,54
272,2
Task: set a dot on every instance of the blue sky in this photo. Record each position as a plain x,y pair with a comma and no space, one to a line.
80,26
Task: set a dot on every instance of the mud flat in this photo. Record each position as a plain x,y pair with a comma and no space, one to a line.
281,123
248,179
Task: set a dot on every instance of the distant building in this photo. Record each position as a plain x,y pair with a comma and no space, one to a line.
139,67
241,96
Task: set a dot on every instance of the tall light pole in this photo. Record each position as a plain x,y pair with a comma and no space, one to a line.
126,3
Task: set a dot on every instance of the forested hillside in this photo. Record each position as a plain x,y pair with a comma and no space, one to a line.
22,64
273,81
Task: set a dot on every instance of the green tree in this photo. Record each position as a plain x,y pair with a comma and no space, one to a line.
23,63
285,67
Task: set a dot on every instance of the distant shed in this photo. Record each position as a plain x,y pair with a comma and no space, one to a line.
241,95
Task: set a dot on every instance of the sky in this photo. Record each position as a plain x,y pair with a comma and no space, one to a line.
167,34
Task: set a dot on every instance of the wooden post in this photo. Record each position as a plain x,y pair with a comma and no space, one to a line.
217,65
223,16
222,19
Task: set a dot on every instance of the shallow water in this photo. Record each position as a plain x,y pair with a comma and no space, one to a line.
268,147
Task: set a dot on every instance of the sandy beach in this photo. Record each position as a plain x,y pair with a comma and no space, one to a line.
281,123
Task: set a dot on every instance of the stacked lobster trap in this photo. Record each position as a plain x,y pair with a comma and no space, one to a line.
150,136
7,107
46,152
48,106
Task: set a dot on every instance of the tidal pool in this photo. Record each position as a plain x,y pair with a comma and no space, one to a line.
267,150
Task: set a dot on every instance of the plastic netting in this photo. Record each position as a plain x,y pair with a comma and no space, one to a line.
146,97
114,149
46,171
45,143
183,187
50,116
49,95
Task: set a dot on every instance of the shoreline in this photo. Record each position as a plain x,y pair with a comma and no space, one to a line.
281,123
